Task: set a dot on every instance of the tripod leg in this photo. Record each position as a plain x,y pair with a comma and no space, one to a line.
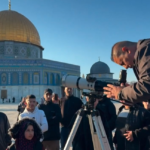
95,139
100,131
74,129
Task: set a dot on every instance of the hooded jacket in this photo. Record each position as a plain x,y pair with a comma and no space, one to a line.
38,116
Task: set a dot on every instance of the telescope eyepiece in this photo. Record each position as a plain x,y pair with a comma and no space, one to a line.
123,76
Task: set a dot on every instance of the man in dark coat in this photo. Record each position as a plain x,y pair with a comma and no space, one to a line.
108,115
83,139
137,56
5,139
132,128
53,116
147,107
109,111
69,106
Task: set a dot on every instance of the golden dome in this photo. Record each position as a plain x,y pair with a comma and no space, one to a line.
16,27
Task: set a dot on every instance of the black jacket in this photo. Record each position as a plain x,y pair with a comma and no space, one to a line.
83,138
20,109
5,139
53,116
147,146
69,106
109,111
37,146
141,90
138,121
108,115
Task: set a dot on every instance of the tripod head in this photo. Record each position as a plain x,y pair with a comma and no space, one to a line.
92,96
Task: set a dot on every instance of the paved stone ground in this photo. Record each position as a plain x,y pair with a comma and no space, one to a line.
11,111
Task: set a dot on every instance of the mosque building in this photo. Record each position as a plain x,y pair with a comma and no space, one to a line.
101,71
23,70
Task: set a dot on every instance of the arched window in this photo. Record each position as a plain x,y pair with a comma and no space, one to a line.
3,78
57,79
45,78
15,78
51,78
25,78
36,78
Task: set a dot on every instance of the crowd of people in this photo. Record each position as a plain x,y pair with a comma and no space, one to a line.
47,125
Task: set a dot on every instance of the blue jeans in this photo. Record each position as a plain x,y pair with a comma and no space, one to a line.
64,136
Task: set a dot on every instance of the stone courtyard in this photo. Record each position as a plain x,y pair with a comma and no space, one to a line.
11,111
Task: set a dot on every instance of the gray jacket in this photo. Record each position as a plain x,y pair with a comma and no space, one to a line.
139,91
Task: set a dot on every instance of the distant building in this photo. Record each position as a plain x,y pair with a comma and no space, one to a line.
101,71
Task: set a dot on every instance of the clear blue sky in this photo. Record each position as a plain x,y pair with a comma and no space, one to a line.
80,31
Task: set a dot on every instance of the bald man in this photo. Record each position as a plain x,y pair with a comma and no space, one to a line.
137,56
69,106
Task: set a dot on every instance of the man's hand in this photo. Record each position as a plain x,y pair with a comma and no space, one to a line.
112,91
129,136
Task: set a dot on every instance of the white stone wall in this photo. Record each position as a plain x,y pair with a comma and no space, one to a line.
22,91
38,91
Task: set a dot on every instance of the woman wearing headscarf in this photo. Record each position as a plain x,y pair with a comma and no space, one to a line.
27,135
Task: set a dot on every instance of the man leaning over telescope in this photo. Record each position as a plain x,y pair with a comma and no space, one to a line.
137,56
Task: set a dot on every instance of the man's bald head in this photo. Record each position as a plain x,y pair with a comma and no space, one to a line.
117,48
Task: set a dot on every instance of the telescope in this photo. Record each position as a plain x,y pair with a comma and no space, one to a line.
95,86
91,83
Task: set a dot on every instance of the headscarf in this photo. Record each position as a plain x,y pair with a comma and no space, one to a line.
21,142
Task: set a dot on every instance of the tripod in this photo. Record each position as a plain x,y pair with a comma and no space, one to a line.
99,138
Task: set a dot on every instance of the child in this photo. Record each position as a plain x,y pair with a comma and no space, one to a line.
27,134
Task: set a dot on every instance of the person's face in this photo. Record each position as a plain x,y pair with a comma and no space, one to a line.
125,60
48,96
68,91
146,105
53,97
31,103
87,99
29,132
